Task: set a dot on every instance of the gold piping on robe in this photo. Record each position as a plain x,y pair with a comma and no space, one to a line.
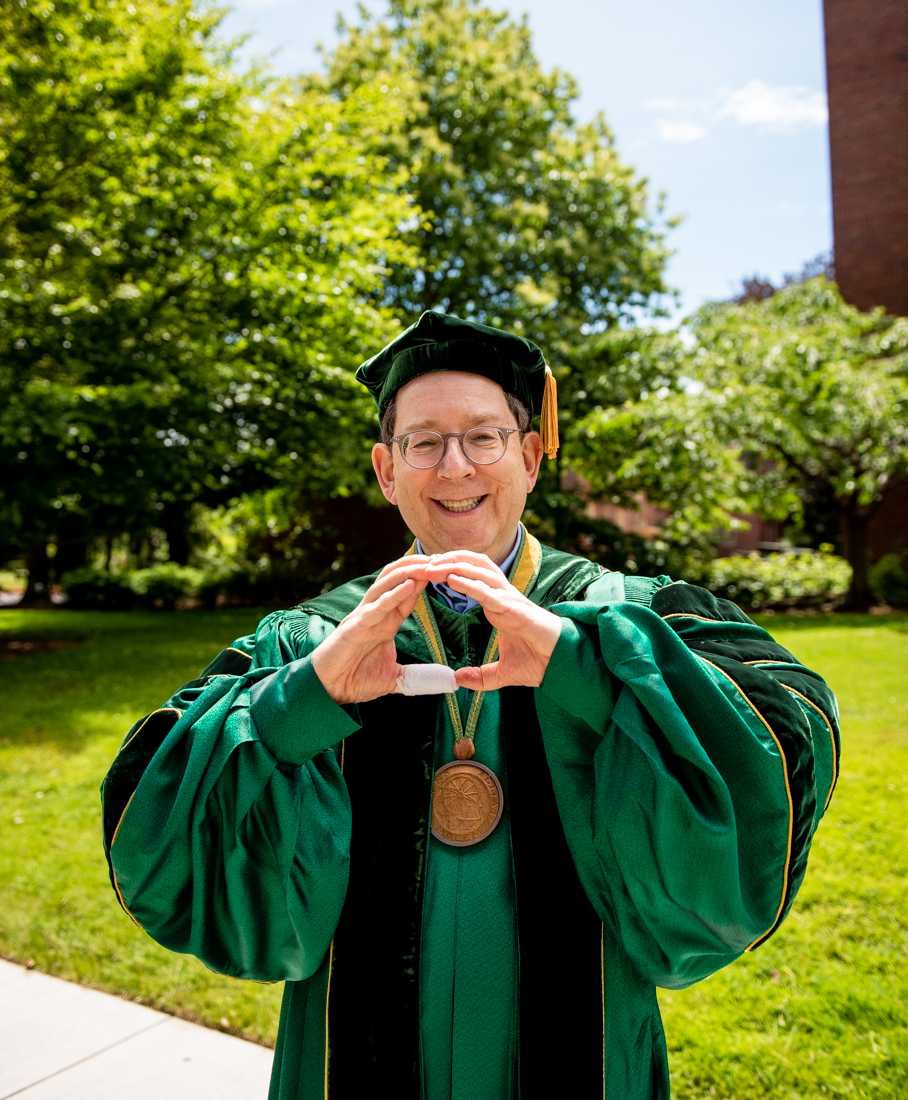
330,967
784,763
129,741
828,724
602,987
113,873
242,652
693,615
819,710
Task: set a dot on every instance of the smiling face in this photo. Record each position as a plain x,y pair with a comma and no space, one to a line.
454,401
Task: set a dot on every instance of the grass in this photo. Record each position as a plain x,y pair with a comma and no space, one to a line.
68,710
818,1011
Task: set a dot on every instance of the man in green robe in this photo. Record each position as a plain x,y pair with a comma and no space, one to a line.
472,881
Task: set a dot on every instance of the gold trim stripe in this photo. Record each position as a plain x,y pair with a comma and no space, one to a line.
784,763
819,710
828,724
692,615
161,710
330,965
145,720
602,979
113,839
327,1004
242,652
113,873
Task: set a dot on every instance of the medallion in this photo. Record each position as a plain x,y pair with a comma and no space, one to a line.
467,799
467,802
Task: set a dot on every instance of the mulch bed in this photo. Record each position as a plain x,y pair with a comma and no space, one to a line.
11,648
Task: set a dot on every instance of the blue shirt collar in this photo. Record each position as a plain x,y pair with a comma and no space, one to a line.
459,601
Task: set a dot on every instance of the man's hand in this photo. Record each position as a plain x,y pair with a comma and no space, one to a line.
358,661
527,633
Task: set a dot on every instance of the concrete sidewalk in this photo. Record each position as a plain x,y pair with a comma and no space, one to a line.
59,1041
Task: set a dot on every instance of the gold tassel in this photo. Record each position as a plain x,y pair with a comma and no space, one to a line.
548,416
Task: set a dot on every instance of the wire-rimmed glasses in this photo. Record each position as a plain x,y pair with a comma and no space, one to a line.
424,449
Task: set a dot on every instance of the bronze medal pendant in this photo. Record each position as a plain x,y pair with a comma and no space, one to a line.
467,802
467,799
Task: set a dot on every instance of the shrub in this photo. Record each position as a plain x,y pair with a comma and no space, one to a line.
93,589
791,578
889,579
164,584
213,584
235,585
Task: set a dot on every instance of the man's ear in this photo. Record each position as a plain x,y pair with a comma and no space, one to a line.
383,465
531,449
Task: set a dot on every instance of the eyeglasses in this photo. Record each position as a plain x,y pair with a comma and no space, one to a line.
425,449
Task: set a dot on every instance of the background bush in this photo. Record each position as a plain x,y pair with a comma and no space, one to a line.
164,584
241,585
789,579
889,579
94,589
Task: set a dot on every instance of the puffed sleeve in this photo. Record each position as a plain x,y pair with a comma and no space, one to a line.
692,759
226,816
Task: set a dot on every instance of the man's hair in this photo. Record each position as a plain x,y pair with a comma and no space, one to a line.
517,407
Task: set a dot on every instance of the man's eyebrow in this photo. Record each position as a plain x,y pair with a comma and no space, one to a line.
489,418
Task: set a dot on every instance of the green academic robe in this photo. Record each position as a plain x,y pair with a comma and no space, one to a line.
661,789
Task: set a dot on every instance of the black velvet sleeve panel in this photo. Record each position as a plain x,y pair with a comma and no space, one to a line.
794,703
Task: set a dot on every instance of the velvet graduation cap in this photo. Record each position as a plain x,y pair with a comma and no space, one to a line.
441,341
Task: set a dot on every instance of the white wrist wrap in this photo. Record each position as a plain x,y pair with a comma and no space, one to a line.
426,680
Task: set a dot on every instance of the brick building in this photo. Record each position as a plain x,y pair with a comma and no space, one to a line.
867,85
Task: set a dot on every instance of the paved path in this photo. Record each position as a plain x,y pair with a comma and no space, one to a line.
59,1041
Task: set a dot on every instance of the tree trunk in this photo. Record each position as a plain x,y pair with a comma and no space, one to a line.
137,544
856,522
175,522
37,590
72,553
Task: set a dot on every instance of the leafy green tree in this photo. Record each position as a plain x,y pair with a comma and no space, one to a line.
817,393
531,220
778,404
649,433
530,217
188,257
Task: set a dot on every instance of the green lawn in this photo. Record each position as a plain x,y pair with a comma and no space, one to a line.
819,1011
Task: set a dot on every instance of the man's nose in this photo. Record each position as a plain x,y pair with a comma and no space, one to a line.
454,462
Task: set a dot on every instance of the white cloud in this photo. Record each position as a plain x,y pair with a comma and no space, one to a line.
780,108
680,133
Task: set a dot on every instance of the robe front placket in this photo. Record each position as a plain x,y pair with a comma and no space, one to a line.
469,968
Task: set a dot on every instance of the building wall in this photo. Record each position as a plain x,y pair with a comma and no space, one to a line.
867,82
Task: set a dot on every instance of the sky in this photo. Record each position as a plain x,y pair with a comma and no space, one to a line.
720,106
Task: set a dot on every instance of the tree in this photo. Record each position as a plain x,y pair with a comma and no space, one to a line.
650,432
819,390
756,287
531,220
791,400
187,256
